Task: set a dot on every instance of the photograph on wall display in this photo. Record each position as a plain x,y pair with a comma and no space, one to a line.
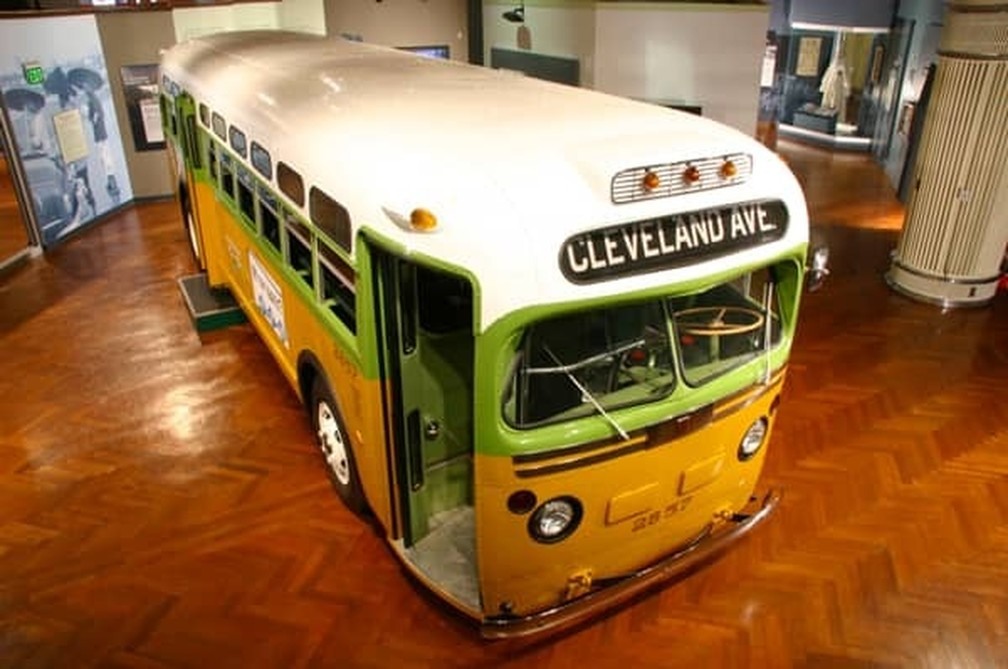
141,90
63,123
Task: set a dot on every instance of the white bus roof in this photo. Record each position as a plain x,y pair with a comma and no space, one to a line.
511,166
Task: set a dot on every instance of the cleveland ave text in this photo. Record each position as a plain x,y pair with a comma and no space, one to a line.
673,241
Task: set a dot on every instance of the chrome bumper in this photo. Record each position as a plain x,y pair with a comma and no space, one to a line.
612,595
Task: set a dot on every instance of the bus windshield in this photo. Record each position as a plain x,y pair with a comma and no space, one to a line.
596,360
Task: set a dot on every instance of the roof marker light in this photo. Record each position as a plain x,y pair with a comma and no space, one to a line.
691,175
728,169
651,180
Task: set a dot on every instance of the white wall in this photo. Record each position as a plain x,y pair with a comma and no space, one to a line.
303,16
565,29
198,21
707,55
300,15
402,22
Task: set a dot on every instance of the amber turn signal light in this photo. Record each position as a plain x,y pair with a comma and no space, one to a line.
423,220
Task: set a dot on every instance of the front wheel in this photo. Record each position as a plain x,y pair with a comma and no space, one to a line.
335,447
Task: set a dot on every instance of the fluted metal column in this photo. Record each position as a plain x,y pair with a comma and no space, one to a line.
956,226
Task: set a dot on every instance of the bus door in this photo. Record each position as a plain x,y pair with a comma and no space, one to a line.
426,329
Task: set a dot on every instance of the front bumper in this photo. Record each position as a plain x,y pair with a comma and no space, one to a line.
621,590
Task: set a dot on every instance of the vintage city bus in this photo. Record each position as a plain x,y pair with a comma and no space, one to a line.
541,332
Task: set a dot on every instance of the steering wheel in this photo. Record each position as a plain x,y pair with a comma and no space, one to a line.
710,321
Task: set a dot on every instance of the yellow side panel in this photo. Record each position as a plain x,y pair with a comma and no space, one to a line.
638,507
231,258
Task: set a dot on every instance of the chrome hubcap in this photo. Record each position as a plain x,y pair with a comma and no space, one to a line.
333,447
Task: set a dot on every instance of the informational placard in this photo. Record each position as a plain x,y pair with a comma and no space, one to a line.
769,66
268,298
70,135
140,88
809,49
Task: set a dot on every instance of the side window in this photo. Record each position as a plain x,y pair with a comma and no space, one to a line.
192,139
219,126
338,278
299,255
261,161
268,217
246,197
227,175
237,139
167,114
331,217
212,158
290,183
204,115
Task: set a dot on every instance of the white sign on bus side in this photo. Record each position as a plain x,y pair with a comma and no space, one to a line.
268,298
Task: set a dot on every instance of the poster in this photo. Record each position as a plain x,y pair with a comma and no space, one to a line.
809,49
140,88
70,136
63,122
769,66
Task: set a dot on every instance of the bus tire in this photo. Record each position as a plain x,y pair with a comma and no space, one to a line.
334,444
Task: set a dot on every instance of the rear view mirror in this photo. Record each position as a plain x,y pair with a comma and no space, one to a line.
817,270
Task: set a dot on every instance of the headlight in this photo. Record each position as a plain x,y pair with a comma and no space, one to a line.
753,439
555,520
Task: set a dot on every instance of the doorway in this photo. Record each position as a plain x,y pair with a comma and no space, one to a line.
425,318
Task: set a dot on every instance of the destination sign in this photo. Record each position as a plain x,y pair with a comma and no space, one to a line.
671,241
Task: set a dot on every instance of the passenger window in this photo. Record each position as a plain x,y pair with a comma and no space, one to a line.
290,183
204,115
237,139
299,255
331,217
261,161
268,217
212,159
164,109
227,175
246,200
445,302
219,126
192,139
338,280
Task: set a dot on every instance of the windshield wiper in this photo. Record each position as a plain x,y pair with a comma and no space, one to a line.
584,362
585,392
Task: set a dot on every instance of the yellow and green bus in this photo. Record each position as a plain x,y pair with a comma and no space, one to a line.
541,332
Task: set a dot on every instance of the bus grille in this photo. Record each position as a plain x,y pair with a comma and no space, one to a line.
628,185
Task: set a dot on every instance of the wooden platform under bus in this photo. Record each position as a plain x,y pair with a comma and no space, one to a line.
162,505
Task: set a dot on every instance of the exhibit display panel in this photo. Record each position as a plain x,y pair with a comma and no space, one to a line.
62,121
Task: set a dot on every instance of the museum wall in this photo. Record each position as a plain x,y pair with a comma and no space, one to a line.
148,169
564,29
692,54
401,23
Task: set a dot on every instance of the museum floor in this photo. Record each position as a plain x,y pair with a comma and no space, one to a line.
162,504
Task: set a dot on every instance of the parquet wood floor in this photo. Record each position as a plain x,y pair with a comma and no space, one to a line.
162,505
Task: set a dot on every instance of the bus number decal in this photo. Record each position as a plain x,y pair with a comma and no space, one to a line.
268,298
653,517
